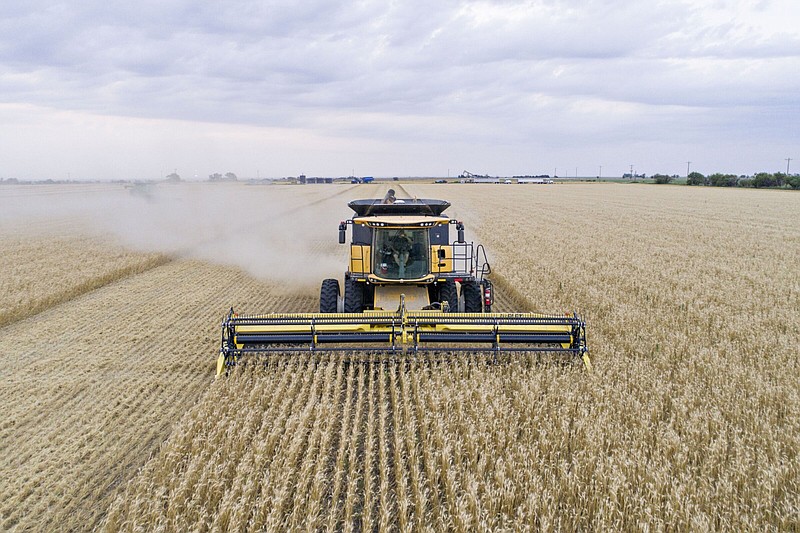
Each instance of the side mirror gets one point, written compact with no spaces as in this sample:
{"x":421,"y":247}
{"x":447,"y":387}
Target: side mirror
{"x":460,"y":228}
{"x":441,"y":253}
{"x":342,"y":228}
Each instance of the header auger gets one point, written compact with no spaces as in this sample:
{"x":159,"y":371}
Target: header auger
{"x":408,"y":291}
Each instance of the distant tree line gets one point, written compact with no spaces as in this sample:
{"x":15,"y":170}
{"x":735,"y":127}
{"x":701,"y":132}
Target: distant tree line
{"x":762,"y":180}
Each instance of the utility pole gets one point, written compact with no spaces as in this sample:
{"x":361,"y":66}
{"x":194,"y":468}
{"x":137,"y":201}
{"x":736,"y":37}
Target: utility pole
{"x":687,"y":168}
{"x":600,"y":173}
{"x":631,"y":171}
{"x":788,"y":160}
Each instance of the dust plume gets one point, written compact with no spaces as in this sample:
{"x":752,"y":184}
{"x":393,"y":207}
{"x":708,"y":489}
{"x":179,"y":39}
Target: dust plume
{"x":283,"y":234}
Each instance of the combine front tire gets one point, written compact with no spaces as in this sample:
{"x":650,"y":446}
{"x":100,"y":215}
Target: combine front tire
{"x":329,"y":296}
{"x":353,"y":296}
{"x":473,"y":300}
{"x":449,"y":293}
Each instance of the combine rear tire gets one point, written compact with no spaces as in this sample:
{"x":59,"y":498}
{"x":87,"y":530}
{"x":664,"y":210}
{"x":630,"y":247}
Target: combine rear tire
{"x":329,"y":296}
{"x":473,"y":300}
{"x":449,"y":293}
{"x":353,"y":296}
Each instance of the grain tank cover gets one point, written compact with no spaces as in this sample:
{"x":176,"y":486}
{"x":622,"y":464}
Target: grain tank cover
{"x":401,"y":206}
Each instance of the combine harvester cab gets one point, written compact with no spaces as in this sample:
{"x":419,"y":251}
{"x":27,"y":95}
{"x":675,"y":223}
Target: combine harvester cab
{"x":408,"y":291}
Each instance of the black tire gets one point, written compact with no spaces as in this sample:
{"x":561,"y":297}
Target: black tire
{"x":353,"y":296}
{"x":449,"y":293}
{"x":473,"y":300}
{"x":329,"y":296}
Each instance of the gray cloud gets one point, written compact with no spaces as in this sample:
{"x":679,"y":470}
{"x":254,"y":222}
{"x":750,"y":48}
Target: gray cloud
{"x":563,"y":74}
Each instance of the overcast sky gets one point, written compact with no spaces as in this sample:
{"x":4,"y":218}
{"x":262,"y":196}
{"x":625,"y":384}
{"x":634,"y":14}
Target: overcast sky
{"x":103,"y":89}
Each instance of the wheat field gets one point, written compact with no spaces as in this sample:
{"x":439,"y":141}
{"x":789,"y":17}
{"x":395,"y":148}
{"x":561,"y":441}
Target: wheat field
{"x":690,"y":419}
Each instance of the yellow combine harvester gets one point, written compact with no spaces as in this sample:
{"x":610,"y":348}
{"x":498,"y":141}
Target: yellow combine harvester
{"x":408,"y":291}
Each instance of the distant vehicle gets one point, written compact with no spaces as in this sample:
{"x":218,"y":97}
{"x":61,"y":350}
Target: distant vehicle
{"x":440,"y":181}
{"x":507,"y":182}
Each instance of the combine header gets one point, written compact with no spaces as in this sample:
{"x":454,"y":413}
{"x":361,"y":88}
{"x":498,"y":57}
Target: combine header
{"x":408,"y":291}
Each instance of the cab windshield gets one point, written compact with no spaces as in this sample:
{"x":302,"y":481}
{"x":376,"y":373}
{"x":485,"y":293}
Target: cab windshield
{"x":401,"y":253}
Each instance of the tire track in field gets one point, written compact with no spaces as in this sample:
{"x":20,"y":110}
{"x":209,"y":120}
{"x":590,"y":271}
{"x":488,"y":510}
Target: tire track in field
{"x":403,"y":190}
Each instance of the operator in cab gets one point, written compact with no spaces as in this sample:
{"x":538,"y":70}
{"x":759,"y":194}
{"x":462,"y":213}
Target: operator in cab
{"x":401,"y":245}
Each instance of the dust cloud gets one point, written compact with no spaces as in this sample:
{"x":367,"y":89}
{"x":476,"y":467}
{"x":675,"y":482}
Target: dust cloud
{"x":278,"y":233}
